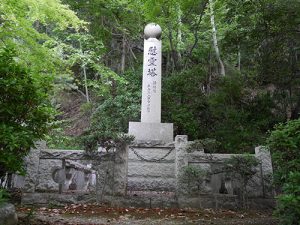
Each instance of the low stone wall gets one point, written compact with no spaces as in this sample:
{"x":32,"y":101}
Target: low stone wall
{"x":70,"y":176}
{"x":142,"y":175}
{"x":216,"y":184}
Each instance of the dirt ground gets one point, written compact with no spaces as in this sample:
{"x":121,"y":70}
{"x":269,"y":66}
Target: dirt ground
{"x":100,"y":214}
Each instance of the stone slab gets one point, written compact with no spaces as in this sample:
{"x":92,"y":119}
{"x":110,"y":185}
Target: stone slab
{"x":151,"y":131}
{"x":147,"y":169}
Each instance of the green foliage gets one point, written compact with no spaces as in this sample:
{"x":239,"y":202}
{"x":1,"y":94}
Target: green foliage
{"x":109,"y":120}
{"x":240,"y":116}
{"x":193,"y":177}
{"x":182,"y":102}
{"x":4,"y":196}
{"x":288,"y":208}
{"x":242,"y":168}
{"x":284,"y":142}
{"x":32,"y":40}
{"x":56,"y":138}
{"x":207,"y":145}
{"x":24,"y":111}
{"x":234,"y":115}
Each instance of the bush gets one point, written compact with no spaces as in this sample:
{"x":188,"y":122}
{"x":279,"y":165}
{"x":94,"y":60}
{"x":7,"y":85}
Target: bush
{"x":242,"y":168}
{"x":289,"y":203}
{"x":3,"y":196}
{"x":284,"y":143}
{"x":24,"y":111}
{"x":192,"y":178}
{"x":110,"y":120}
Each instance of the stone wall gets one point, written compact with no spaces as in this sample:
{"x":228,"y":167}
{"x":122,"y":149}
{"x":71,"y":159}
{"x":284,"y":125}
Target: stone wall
{"x":215,"y":181}
{"x":52,"y":174}
{"x":146,"y":174}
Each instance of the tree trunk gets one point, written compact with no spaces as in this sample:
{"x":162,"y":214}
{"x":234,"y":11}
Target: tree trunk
{"x":85,"y":84}
{"x":239,"y":58}
{"x":173,"y":51}
{"x":214,"y":36}
{"x":85,"y":77}
{"x":179,"y":34}
{"x":123,"y":56}
{"x":208,"y":89}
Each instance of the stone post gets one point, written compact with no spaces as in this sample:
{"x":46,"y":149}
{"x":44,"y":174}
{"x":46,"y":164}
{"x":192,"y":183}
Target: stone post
{"x":181,"y":161}
{"x":150,"y":128}
{"x":121,"y":170}
{"x":32,"y":161}
{"x":264,"y":157}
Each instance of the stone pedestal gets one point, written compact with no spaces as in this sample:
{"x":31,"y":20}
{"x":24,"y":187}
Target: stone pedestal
{"x":151,"y":131}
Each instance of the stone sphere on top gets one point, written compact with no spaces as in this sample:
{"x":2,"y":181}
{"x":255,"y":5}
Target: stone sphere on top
{"x":152,"y":30}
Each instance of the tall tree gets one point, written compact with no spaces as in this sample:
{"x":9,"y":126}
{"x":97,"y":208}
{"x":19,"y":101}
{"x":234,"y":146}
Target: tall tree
{"x":29,"y":62}
{"x":214,"y":37}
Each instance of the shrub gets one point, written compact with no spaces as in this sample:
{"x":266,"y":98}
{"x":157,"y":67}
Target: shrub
{"x":242,"y":168}
{"x":289,"y":203}
{"x":284,"y":143}
{"x":24,"y":111}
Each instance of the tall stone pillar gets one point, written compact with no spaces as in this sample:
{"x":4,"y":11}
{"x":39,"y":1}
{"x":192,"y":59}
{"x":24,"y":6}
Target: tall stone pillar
{"x":151,"y":92}
{"x":150,"y":128}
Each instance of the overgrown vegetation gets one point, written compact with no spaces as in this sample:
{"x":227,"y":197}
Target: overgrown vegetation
{"x":3,"y":196}
{"x":242,"y":169}
{"x":193,"y":179}
{"x":25,"y":112}
{"x":30,"y":63}
{"x":284,"y":142}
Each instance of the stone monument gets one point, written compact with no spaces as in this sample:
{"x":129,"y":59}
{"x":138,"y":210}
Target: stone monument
{"x":150,"y":127}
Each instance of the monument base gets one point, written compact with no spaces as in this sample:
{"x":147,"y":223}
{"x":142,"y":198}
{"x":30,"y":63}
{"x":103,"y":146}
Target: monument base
{"x":151,"y":131}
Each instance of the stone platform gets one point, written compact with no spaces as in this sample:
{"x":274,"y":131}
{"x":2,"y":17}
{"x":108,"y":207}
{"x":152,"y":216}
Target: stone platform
{"x":151,"y":131}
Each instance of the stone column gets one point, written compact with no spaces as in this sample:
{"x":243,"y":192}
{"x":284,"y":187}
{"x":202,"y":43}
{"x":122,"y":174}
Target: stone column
{"x":150,"y":128}
{"x":151,"y":92}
